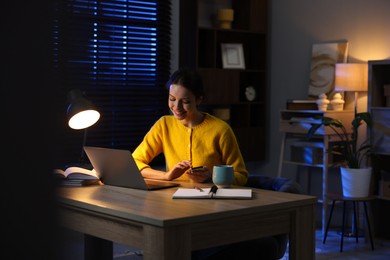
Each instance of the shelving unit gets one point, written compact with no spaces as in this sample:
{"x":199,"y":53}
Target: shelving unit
{"x":379,"y":107}
{"x":379,"y":75}
{"x":294,"y":125}
{"x":200,"y":47}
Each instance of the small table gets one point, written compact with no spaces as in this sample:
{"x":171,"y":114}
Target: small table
{"x":338,"y":197}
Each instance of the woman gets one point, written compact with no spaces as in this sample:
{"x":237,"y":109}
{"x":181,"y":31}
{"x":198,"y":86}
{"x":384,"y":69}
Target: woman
{"x":189,"y":138}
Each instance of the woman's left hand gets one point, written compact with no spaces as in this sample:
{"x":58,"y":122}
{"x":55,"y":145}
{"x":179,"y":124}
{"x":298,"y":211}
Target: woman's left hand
{"x":200,"y":175}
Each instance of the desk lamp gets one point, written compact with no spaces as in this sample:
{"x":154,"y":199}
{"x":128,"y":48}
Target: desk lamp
{"x":81,"y":113}
{"x":351,"y":77}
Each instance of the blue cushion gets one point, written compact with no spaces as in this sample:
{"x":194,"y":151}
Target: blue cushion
{"x":273,"y":183}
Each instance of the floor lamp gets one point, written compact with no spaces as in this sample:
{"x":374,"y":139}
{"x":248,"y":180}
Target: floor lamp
{"x":81,"y":114}
{"x":351,"y":77}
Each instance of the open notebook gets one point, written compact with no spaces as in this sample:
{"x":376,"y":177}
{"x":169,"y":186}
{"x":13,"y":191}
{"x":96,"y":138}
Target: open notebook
{"x":212,"y":193}
{"x":117,"y":167}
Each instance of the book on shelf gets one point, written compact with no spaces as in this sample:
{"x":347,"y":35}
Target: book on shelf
{"x":301,"y":104}
{"x":212,"y":193}
{"x":76,"y":176}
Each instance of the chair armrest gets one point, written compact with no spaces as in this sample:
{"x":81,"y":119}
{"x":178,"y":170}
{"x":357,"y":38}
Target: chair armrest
{"x":275,"y":184}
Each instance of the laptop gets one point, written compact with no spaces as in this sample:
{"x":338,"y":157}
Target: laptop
{"x":117,"y":167}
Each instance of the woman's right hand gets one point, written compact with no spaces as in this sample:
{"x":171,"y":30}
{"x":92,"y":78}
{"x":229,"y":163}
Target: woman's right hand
{"x":178,"y":170}
{"x":202,"y":174}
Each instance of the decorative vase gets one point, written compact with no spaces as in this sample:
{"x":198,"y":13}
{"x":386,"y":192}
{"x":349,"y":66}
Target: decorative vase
{"x":355,"y":182}
{"x":225,"y":18}
{"x":337,"y":102}
{"x":322,"y":102}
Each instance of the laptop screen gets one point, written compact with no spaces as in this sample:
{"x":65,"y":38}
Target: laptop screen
{"x":117,"y":167}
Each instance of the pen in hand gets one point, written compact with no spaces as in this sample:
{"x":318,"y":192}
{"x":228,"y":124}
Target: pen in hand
{"x":198,"y":167}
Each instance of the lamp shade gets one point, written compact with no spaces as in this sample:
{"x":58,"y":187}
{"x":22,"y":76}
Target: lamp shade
{"x":351,"y":77}
{"x":81,"y":112}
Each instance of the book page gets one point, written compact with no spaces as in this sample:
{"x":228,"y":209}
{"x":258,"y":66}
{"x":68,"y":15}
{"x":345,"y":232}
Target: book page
{"x":233,"y":193}
{"x":59,"y":173}
{"x":80,"y":173}
{"x":75,"y":172}
{"x":188,"y":193}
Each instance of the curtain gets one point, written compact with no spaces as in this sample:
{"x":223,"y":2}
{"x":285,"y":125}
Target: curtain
{"x":118,"y":53}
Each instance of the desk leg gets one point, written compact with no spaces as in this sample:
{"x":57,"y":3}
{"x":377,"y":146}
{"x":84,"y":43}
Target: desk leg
{"x":302,"y":235}
{"x":281,"y":155}
{"x":167,"y":243}
{"x":97,"y":248}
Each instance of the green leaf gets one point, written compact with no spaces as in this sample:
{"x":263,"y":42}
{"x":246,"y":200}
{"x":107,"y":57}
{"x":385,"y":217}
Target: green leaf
{"x":348,"y":146}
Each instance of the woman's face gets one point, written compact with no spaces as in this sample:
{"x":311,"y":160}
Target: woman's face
{"x":182,"y":102}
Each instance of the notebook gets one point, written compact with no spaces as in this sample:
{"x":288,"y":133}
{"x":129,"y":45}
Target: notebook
{"x":117,"y":167}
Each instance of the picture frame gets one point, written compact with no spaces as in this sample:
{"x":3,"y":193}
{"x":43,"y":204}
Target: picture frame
{"x":322,"y":68}
{"x":232,"y":56}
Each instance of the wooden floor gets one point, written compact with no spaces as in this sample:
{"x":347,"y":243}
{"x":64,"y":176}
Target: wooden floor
{"x":329,"y":250}
{"x":351,"y":249}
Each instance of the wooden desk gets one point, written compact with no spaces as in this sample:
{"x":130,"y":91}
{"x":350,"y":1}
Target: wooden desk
{"x":170,"y":229}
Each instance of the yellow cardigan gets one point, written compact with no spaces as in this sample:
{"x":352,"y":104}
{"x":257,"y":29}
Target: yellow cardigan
{"x":210,"y":143}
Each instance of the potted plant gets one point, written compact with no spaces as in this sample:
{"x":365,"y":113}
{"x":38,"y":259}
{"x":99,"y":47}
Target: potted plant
{"x":355,"y":154}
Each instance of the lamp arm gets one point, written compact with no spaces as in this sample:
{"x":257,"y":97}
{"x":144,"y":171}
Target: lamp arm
{"x":82,"y":156}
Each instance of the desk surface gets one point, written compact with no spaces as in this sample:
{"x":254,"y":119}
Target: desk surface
{"x":158,"y":208}
{"x":134,"y":217}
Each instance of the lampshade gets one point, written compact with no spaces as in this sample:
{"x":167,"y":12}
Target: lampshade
{"x":351,"y":77}
{"x":81,"y":112}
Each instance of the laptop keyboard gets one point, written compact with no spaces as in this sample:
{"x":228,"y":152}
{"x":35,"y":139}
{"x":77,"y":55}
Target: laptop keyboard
{"x":156,"y":184}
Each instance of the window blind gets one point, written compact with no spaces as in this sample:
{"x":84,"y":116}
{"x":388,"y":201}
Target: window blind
{"x":118,"y":53}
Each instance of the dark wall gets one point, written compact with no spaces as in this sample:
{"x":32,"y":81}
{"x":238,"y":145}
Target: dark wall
{"x":31,"y":115}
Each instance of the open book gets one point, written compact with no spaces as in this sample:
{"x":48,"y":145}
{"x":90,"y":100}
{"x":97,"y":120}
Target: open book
{"x":76,"y":176}
{"x":207,"y":193}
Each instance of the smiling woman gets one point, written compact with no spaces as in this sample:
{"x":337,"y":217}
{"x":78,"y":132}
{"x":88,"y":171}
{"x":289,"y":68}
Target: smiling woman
{"x":189,"y":137}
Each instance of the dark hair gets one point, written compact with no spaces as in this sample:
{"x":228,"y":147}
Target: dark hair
{"x":188,"y":78}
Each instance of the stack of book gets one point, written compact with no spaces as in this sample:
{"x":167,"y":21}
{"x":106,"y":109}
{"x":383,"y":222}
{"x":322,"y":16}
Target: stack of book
{"x":76,"y":176}
{"x":301,"y":104}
